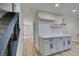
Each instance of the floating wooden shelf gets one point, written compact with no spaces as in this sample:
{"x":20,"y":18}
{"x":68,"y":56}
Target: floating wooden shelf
{"x":56,"y":26}
{"x":48,"y":20}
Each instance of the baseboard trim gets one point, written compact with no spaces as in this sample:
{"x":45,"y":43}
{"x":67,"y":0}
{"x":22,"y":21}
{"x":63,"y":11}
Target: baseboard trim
{"x":59,"y":52}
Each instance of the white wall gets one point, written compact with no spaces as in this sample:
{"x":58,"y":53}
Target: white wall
{"x":77,"y":22}
{"x":28,"y":20}
{"x":6,"y":6}
{"x":28,"y":30}
{"x":20,"y":43}
{"x":71,"y":27}
{"x":28,"y":26}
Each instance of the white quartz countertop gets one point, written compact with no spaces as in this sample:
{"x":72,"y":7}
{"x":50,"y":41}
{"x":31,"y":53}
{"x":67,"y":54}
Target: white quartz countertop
{"x":53,"y":35}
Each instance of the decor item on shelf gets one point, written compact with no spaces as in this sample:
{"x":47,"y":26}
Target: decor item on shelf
{"x":62,"y":22}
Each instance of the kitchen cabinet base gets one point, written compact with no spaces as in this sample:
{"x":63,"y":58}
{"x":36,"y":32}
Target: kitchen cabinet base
{"x":59,"y":52}
{"x":40,"y":54}
{"x":53,"y":45}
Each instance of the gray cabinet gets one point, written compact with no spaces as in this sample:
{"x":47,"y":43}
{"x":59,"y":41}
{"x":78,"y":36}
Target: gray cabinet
{"x":54,"y":45}
{"x":50,"y":46}
{"x":59,"y":44}
{"x":67,"y":43}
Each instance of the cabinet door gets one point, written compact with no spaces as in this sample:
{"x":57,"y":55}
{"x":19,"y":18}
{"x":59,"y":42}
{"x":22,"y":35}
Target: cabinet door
{"x":41,"y":46}
{"x":67,"y":42}
{"x":50,"y":46}
{"x":60,"y":44}
{"x":53,"y":45}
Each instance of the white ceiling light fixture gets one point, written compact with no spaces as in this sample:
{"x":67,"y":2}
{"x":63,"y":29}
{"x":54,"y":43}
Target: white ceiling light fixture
{"x":56,"y":5}
{"x":73,"y":10}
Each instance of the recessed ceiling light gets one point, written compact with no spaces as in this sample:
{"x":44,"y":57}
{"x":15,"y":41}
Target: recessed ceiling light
{"x":56,"y":5}
{"x":73,"y":10}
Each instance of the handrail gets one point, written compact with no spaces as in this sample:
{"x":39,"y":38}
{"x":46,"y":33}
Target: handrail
{"x":6,"y":36}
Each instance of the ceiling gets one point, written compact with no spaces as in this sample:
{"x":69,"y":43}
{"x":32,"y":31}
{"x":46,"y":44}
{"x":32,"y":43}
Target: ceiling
{"x":64,"y":9}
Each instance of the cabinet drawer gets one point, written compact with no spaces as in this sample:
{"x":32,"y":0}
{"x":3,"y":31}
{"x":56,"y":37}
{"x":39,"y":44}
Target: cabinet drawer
{"x":49,"y":40}
{"x":59,"y":44}
{"x":66,"y":42}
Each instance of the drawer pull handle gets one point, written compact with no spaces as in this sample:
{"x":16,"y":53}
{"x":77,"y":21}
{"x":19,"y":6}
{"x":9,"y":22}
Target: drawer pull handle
{"x":68,"y":42}
{"x":64,"y":43}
